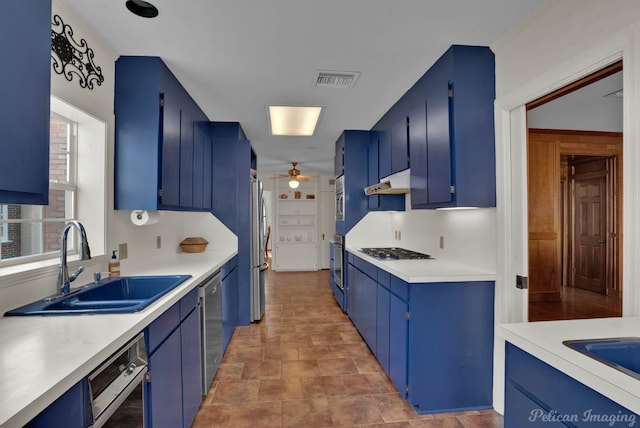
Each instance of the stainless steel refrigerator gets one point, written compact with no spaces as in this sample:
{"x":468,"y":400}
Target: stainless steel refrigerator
{"x":258,"y":263}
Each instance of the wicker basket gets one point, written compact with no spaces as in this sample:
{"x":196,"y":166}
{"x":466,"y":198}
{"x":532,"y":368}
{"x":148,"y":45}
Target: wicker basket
{"x":193,"y":245}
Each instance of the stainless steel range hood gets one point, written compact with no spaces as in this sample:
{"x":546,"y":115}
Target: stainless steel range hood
{"x":393,"y":184}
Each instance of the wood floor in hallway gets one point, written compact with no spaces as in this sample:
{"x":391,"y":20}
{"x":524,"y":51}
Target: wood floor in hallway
{"x":305,"y":365}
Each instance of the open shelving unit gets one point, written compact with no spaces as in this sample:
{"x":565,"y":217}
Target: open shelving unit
{"x":296,"y":235}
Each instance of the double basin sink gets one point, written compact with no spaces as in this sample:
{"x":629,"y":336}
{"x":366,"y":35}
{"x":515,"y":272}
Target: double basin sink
{"x":621,"y":353}
{"x":114,"y":295}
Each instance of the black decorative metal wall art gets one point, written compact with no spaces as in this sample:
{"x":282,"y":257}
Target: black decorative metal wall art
{"x":72,"y":58}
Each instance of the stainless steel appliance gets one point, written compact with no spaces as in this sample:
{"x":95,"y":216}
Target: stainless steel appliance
{"x":394,"y":253}
{"x":210,"y":328}
{"x":338,"y":261}
{"x":258,"y":263}
{"x":340,"y":198}
{"x":116,"y":387}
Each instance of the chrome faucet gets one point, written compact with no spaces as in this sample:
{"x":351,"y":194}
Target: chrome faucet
{"x":64,"y":279}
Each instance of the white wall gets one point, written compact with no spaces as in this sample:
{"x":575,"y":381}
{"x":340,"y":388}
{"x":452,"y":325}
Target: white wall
{"x":560,"y":43}
{"x":469,"y":235}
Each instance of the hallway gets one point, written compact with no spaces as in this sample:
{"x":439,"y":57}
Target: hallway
{"x":305,"y":365}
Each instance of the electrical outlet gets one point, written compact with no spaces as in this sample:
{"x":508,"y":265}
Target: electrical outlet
{"x":442,"y":242}
{"x":123,"y":251}
{"x":158,"y":242}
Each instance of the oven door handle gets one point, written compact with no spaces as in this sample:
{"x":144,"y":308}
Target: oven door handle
{"x":109,"y":408}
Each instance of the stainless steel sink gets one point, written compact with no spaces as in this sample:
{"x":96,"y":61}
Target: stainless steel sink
{"x":115,"y":295}
{"x":621,"y":353}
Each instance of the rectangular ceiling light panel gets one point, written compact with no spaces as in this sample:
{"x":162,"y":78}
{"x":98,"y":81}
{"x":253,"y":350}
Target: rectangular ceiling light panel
{"x":294,"y":121}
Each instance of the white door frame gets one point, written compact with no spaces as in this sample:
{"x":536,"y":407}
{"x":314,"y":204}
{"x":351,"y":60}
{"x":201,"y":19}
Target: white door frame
{"x":511,"y":304}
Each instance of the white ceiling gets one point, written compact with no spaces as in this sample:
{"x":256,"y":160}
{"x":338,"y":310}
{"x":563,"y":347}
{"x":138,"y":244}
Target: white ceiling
{"x":235,"y":57}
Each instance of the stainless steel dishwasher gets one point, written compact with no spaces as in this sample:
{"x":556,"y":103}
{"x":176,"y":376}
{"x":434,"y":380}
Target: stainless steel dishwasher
{"x":211,"y":328}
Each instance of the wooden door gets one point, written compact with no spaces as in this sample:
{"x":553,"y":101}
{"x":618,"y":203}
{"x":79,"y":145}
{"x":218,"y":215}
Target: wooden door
{"x":590,"y":225}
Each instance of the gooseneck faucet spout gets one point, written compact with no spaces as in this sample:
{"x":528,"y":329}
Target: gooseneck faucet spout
{"x":64,"y":279}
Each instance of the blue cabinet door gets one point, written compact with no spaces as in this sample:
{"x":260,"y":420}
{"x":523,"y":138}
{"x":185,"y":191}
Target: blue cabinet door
{"x":229,"y":305}
{"x":349,"y":277}
{"x":338,"y":168}
{"x":366,"y":306}
{"x":451,"y":342}
{"x":164,"y":392}
{"x":383,"y":330}
{"x":169,"y":140}
{"x":25,"y":28}
{"x":191,"y":367}
{"x":384,"y":154}
{"x":399,"y":146}
{"x":202,"y":166}
{"x":398,"y":343}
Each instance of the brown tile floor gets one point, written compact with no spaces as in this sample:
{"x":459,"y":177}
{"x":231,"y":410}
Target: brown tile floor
{"x":304,"y":365}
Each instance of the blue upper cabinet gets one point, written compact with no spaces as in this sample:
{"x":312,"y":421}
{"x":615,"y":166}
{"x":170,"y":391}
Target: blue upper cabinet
{"x":158,"y":140}
{"x":339,"y":157}
{"x":451,"y":131}
{"x":399,"y":146}
{"x":354,"y":146}
{"x":25,"y":28}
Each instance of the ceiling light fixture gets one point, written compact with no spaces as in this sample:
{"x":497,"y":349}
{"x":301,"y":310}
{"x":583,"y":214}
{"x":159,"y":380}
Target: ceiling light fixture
{"x":294,"y":121}
{"x":142,"y":8}
{"x":294,"y":183}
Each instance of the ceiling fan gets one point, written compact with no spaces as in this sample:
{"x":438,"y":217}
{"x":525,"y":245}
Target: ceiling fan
{"x":294,"y":176}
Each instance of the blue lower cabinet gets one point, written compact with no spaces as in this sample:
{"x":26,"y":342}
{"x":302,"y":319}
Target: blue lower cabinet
{"x":434,"y":340}
{"x":398,"y":343}
{"x":451,"y":346}
{"x":173,"y":392}
{"x":229,"y":301}
{"x":70,"y":410}
{"x":537,"y":394}
{"x":164,"y":392}
{"x":383,"y":329}
{"x":191,"y":366}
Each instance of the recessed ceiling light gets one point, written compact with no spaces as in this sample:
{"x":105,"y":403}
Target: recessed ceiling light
{"x":293,"y":121}
{"x":142,"y":8}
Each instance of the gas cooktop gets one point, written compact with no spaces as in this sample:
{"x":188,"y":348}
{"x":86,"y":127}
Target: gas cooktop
{"x":394,"y":253}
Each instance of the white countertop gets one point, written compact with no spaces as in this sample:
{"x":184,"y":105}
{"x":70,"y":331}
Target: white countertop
{"x":41,"y":357}
{"x":431,"y":270}
{"x":544,"y":340}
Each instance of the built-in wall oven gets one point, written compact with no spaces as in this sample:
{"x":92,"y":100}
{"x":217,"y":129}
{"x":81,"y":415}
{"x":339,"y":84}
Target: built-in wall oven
{"x":338,"y":261}
{"x":340,"y":198}
{"x":116,"y":388}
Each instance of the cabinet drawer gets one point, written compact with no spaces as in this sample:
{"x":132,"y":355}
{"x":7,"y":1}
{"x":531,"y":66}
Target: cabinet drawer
{"x":162,"y":327}
{"x":367,"y":268}
{"x":384,"y":278}
{"x":400,"y":288}
{"x":188,"y":303}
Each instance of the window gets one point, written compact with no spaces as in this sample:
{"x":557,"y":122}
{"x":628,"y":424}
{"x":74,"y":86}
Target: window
{"x":77,"y":190}
{"x":33,"y":230}
{"x":4,"y":227}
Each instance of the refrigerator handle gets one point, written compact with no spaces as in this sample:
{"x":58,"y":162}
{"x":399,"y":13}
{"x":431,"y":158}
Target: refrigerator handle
{"x":264,"y":266}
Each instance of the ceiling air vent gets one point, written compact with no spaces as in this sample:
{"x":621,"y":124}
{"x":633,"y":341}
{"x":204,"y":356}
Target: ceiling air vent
{"x":335,"y":79}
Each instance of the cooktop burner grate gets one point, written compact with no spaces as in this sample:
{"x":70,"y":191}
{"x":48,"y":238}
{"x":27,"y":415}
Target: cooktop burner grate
{"x":394,"y":253}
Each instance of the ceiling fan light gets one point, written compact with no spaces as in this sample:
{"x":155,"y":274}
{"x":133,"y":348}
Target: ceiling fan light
{"x":294,"y":183}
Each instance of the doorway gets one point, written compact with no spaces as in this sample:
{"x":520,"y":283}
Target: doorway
{"x":575,"y":202}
